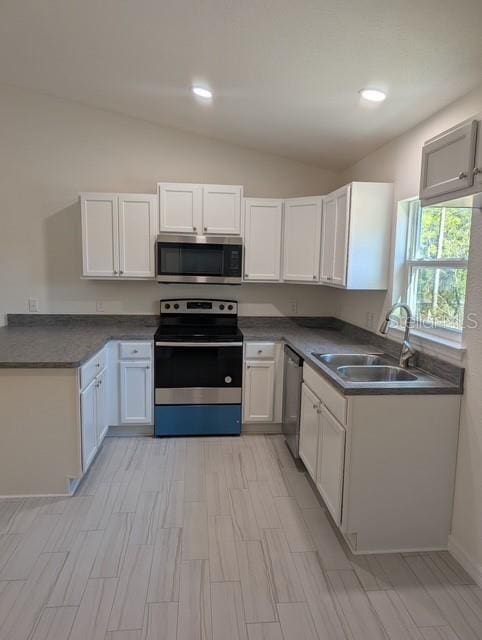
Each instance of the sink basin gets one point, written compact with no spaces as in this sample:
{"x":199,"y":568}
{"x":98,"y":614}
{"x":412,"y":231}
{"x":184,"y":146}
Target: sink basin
{"x":340,"y":359}
{"x":375,"y":373}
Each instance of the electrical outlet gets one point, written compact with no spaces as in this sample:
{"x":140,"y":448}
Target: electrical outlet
{"x":294,"y":307}
{"x":33,"y":305}
{"x":99,"y":306}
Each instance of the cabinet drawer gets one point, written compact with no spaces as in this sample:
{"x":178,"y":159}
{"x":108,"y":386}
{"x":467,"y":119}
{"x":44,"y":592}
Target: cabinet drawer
{"x":330,"y":397}
{"x":260,"y":350}
{"x":93,"y":367}
{"x":135,"y":350}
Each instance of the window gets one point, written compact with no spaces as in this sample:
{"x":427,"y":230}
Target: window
{"x":436,"y":265}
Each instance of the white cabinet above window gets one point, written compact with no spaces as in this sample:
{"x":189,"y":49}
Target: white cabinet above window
{"x":302,"y":235}
{"x":118,"y":235}
{"x":448,"y":163}
{"x":201,"y":209}
{"x":262,"y":239}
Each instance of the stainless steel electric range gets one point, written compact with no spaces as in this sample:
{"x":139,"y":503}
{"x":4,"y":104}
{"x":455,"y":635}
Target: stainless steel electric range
{"x":198,"y":368}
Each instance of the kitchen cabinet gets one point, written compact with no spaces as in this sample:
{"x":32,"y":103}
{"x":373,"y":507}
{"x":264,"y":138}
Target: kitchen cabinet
{"x":89,"y":424}
{"x":201,"y":209}
{"x":101,"y":406}
{"x":301,"y":239}
{"x":331,"y":462}
{"x":355,"y":236}
{"x":262,"y":233}
{"x":448,"y":162}
{"x":118,"y":235}
{"x":136,"y":403}
{"x":259,"y":381}
{"x":309,"y":429}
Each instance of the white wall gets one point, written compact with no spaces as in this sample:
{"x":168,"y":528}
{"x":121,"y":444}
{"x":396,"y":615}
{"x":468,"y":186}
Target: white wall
{"x":399,"y":162}
{"x":52,"y":149}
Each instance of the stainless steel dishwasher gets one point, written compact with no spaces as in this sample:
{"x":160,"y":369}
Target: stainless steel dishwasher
{"x":293,"y":375}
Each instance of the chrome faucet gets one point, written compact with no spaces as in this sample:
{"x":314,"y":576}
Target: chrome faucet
{"x":407,"y":351}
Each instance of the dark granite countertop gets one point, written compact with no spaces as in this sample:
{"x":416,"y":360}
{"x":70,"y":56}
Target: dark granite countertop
{"x":69,"y":341}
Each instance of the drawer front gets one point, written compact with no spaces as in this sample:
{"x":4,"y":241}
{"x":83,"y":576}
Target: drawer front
{"x":334,"y":401}
{"x":135,"y":350}
{"x":260,"y":350}
{"x":92,"y":368}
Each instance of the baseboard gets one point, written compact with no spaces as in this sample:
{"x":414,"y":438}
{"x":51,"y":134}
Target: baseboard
{"x":261,"y":427}
{"x":473,"y":568}
{"x":129,"y":431}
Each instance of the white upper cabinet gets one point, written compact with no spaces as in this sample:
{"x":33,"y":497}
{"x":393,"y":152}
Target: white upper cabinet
{"x":222,"y":209}
{"x":262,"y":233}
{"x":448,"y":162}
{"x":355,"y":237}
{"x":202,"y":209}
{"x":302,"y":235}
{"x":180,"y":207}
{"x":100,"y":234}
{"x":334,"y":236}
{"x":137,"y":234}
{"x":118,"y":235}
{"x":478,"y":162}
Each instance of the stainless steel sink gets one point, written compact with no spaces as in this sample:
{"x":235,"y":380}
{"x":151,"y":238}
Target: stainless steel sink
{"x":375,"y":373}
{"x":334,"y":360}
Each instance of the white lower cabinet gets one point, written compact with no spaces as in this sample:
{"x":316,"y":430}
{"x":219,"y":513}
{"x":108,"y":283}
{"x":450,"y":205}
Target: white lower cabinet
{"x":259,"y":390}
{"x":135,"y":392}
{"x":331,"y":462}
{"x":101,"y":399}
{"x":94,"y":423}
{"x":309,"y":429}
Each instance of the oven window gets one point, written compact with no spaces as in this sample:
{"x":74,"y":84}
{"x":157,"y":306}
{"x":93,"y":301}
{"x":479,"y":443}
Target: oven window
{"x":191,"y":260}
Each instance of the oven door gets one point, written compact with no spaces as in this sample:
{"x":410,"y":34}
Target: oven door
{"x":201,"y":259}
{"x":198,"y":373}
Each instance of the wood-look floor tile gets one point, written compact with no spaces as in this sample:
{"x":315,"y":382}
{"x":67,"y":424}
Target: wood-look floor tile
{"x":173,"y":513}
{"x":232,"y":467}
{"x":70,"y":522}
{"x":217,"y":494}
{"x":102,"y":506}
{"x":294,"y":526}
{"x":370,"y":572}
{"x":420,"y":605}
{"x":264,"y":631}
{"x":9,"y":592}
{"x":55,"y":623}
{"x":223,"y":562}
{"x":143,"y":525}
{"x":281,"y":567}
{"x":228,"y":611}
{"x":394,"y":616}
{"x":194,"y":617}
{"x":112,"y":547}
{"x":130,"y":497}
{"x":195,"y":540}
{"x":95,"y":607}
{"x":8,"y":510}
{"x":330,"y":549}
{"x":244,"y":519}
{"x":317,"y":592}
{"x":130,"y":634}
{"x":281,"y":452}
{"x":296,"y":622}
{"x":301,"y":489}
{"x":438,"y":633}
{"x":166,"y":566}
{"x":8,"y":543}
{"x":130,"y":598}
{"x":161,"y":621}
{"x":23,"y":615}
{"x":26,"y":514}
{"x":353,"y":605}
{"x":72,"y":580}
{"x":472,"y":596}
{"x":264,"y":505}
{"x":195,"y":473}
{"x":450,"y":568}
{"x":255,"y":583}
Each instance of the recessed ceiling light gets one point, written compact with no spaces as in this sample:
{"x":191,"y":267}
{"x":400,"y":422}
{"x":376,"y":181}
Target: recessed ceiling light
{"x":374,"y":95}
{"x":201,"y":92}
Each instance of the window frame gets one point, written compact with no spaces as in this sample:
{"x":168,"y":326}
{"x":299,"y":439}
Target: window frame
{"x":413,"y":228}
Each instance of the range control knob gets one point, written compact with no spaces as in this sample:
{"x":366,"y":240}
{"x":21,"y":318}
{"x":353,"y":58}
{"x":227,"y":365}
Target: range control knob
{"x":167,"y":306}
{"x":230,"y":307}
{"x":176,"y":306}
{"x":221,"y":307}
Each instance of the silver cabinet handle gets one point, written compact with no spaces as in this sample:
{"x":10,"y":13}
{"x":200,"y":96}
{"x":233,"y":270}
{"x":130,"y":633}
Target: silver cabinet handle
{"x":260,"y":350}
{"x":248,"y":366}
{"x":121,"y":272}
{"x":314,"y":277}
{"x":135,"y":351}
{"x":315,"y":406}
{"x":98,"y":365}
{"x":319,"y":411}
{"x":476,"y":171}
{"x":246,"y":275}
{"x":115,"y":273}
{"x":462,"y":175}
{"x":194,"y":228}
{"x":148,"y":367}
{"x":205,"y":228}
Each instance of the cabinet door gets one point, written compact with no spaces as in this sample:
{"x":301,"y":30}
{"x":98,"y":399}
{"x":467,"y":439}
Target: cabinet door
{"x":89,"y":425}
{"x":448,"y":162}
{"x":262,"y":241}
{"x":259,"y":391}
{"x":328,"y":233}
{"x":334,"y":237}
{"x":180,"y":207}
{"x":478,"y":159}
{"x":309,"y":429}
{"x":302,"y":235}
{"x":331,"y":463}
{"x":136,"y":392}
{"x":137,"y":235}
{"x":101,"y":401}
{"x":222,"y":209}
{"x":100,"y":234}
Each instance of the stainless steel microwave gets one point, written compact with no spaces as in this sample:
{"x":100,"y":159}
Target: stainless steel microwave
{"x":201,"y":259}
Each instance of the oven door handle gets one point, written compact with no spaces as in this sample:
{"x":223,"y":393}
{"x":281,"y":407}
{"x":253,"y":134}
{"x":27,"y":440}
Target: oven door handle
{"x":199,"y":344}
